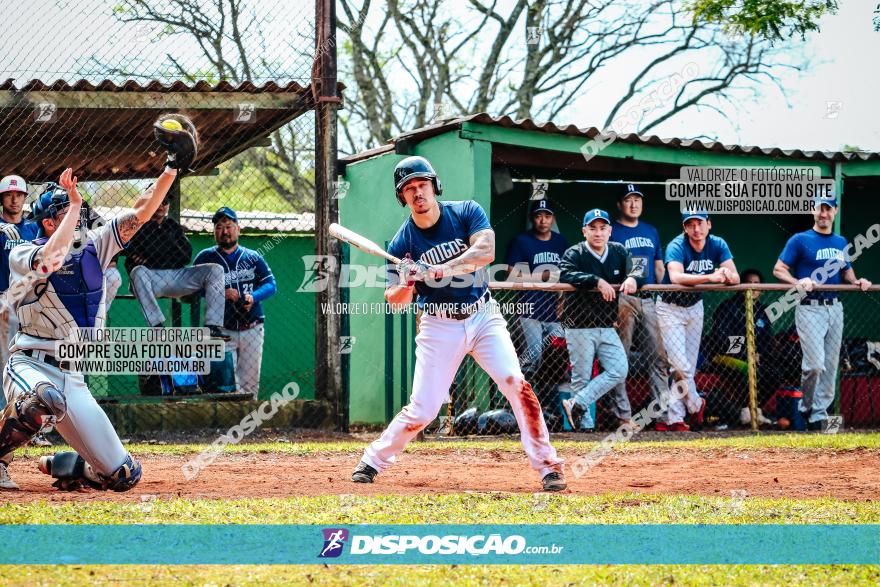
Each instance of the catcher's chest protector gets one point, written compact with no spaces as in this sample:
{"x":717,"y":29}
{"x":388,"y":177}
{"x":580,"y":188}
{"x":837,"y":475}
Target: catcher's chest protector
{"x":78,"y":286}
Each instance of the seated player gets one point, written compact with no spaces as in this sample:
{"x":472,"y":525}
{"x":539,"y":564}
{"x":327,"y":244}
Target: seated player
{"x":156,"y":260}
{"x":57,"y":285}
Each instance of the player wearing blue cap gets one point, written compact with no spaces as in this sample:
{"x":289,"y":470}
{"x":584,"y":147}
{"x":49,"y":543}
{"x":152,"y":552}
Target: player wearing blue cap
{"x":248,"y":281}
{"x":694,"y":257}
{"x":14,"y":230}
{"x":589,"y":316}
{"x":535,"y":255}
{"x":643,"y":242}
{"x":819,"y":317}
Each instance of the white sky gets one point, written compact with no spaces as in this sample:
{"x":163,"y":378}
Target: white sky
{"x":52,"y":38}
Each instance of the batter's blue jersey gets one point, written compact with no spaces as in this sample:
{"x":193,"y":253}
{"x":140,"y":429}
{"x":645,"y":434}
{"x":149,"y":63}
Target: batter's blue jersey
{"x":714,"y":253}
{"x":246,"y":271}
{"x":643,"y":243}
{"x":28,"y":231}
{"x":446,"y":240}
{"x":807,"y":251}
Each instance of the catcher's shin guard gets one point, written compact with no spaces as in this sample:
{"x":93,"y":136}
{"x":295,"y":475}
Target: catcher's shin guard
{"x":73,"y":472}
{"x":27,"y":415}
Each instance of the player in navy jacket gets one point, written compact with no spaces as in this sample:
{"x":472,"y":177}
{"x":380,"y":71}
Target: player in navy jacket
{"x":248,"y":281}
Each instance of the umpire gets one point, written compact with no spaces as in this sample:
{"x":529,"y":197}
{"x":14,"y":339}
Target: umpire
{"x":248,"y":281}
{"x":819,"y":317}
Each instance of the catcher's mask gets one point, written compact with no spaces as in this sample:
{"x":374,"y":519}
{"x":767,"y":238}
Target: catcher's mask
{"x":51,"y":202}
{"x":411,"y":168}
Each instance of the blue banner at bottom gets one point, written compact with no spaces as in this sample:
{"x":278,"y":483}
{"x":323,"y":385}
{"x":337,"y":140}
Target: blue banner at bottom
{"x":440,"y":544}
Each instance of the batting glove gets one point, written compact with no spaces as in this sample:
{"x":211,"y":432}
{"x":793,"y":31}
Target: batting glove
{"x":412,"y":271}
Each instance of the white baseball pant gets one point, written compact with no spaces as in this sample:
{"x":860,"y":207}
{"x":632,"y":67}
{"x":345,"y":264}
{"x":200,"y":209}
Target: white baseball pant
{"x":441,"y":346}
{"x":85,"y":426}
{"x":820,"y":330}
{"x":150,"y":284}
{"x":681,"y":329}
{"x":247,"y":354}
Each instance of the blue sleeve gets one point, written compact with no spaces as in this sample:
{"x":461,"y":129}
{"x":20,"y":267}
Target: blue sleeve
{"x":658,"y":246}
{"x":845,"y":256}
{"x":265,"y":279}
{"x":475,"y":218}
{"x":724,"y":253}
{"x":791,"y":252}
{"x":675,"y":252}
{"x":514,"y":252}
{"x":201,"y":258}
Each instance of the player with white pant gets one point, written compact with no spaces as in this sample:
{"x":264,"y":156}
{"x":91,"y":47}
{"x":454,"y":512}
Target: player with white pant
{"x":57,"y":286}
{"x":459,"y":318}
{"x":692,"y":258}
{"x":819,"y":316}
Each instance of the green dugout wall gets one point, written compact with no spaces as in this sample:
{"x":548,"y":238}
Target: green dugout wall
{"x":481,"y":158}
{"x":289,"y":347}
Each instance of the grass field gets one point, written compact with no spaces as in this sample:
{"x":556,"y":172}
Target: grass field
{"x":341,"y":507}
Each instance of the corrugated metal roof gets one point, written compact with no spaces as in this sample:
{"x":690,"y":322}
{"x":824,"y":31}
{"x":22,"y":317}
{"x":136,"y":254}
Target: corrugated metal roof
{"x":104,"y":131}
{"x":591,"y":132}
{"x":153,"y":86}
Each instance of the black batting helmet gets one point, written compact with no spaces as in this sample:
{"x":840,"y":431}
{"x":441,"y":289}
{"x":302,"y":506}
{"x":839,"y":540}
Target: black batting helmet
{"x":413,"y":167}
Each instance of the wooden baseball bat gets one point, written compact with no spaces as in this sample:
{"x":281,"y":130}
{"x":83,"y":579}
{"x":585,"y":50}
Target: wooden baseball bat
{"x":361,"y":242}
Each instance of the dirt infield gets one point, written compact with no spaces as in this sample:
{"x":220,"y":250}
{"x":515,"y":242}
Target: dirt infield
{"x":850,"y":475}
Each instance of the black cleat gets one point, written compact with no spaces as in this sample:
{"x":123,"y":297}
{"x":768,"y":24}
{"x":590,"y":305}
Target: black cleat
{"x":364,"y":473}
{"x":217,"y":332}
{"x":554,"y":482}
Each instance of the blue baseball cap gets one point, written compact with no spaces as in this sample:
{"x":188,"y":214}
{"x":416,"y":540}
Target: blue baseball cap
{"x":631,"y":189}
{"x":225,"y":212}
{"x":685,"y":216}
{"x":542,"y":205}
{"x":596,"y":214}
{"x":832,"y":202}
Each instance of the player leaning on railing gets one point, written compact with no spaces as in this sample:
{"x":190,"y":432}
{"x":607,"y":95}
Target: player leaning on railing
{"x":57,"y":285}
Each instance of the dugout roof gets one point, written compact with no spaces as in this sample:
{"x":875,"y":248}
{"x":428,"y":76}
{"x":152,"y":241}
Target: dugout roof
{"x":105,"y":131}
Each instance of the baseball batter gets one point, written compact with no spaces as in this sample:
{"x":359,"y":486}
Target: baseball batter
{"x":459,"y":318}
{"x":57,"y":285}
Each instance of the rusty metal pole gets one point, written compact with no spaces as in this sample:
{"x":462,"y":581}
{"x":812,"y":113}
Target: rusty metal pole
{"x":752,"y":357}
{"x":328,"y":327}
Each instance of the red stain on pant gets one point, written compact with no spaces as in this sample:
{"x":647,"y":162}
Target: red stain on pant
{"x":414,"y":427}
{"x":531,"y":410}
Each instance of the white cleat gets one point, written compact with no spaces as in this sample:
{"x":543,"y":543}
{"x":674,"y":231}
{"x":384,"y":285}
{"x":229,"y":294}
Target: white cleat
{"x":6,"y":482}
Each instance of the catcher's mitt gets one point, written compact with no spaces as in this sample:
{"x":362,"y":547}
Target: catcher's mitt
{"x":178,"y":136}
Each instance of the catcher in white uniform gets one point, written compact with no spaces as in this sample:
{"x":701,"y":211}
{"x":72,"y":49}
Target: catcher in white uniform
{"x":56,"y":285}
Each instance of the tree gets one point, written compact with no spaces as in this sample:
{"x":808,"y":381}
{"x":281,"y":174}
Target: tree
{"x":535,"y":59}
{"x":230,"y":39}
{"x":773,"y":20}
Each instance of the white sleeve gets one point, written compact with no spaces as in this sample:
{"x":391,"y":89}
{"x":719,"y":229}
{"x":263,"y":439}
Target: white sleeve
{"x":107,"y":240}
{"x":21,"y":259}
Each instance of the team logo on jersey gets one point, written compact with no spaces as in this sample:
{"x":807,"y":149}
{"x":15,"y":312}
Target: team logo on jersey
{"x":829,"y":253}
{"x":441,"y":253}
{"x":638,"y":242}
{"x":546,"y":257}
{"x":334,"y":541}
{"x":700,"y":265}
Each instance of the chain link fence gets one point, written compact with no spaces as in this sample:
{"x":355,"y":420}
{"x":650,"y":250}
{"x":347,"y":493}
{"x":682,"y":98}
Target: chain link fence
{"x":749,"y":359}
{"x":242,"y":71}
